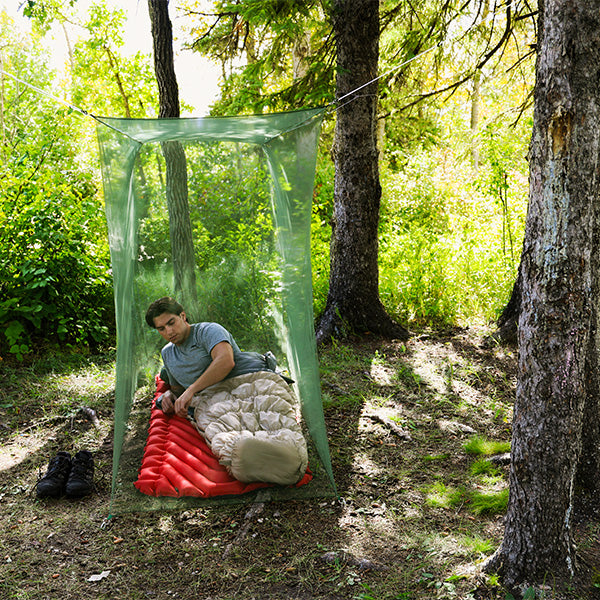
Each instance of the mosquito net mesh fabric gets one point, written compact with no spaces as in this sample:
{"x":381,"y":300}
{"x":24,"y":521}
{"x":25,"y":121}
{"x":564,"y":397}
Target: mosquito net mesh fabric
{"x":236,"y":191}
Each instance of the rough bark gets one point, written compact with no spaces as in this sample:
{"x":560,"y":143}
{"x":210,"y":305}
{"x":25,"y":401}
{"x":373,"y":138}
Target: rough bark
{"x":557,"y":320}
{"x":300,"y":54}
{"x":180,"y":228}
{"x":508,"y":320}
{"x":353,"y":302}
{"x":588,"y":470}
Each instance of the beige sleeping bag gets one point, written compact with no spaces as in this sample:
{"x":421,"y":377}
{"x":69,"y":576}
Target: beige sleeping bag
{"x":251,"y":424}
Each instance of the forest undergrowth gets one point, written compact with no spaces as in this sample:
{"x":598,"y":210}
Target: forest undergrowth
{"x":418,"y":434}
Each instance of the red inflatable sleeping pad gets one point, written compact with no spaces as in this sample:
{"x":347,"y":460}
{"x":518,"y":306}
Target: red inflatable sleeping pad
{"x":177,"y":461}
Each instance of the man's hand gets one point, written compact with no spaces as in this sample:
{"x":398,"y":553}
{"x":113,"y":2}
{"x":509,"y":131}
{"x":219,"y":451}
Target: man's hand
{"x":182,"y":403}
{"x":167,"y":402}
{"x":221,"y":365}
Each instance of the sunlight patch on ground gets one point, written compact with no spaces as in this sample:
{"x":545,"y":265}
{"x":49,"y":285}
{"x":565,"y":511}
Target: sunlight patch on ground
{"x":165,"y":523}
{"x":381,"y":374}
{"x":98,"y":384}
{"x":440,"y":375}
{"x":469,"y":394}
{"x":369,"y":526}
{"x":363,"y":464}
{"x":412,"y":512}
{"x":427,"y":370}
{"x":21,"y":448}
{"x":444,"y":545}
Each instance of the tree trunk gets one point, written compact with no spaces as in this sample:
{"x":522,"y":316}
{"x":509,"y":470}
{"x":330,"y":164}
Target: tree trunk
{"x":557,"y":322}
{"x":588,"y":470}
{"x":353,"y":302}
{"x":508,"y":320}
{"x":300,"y":53}
{"x":180,"y":228}
{"x":475,"y":106}
{"x":476,"y":93}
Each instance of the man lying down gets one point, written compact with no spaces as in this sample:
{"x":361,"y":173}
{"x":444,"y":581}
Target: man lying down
{"x":245,"y":411}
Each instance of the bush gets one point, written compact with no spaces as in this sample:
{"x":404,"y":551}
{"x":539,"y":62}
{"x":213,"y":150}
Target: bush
{"x":54,"y":266}
{"x":443,"y":259}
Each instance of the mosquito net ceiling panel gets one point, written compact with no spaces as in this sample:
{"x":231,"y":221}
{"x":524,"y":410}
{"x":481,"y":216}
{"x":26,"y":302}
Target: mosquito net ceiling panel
{"x":215,"y":212}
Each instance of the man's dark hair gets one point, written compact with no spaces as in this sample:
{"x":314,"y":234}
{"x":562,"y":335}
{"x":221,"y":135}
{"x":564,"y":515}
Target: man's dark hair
{"x":160,"y":306}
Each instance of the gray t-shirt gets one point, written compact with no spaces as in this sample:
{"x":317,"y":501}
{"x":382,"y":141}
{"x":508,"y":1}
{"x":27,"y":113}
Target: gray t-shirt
{"x":186,"y":362}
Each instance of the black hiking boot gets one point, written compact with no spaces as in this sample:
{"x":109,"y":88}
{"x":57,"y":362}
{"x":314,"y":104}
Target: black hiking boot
{"x":53,"y":483}
{"x":81,"y":478}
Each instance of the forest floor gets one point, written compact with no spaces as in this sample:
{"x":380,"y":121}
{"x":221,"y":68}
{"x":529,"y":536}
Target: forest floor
{"x":417,"y":433}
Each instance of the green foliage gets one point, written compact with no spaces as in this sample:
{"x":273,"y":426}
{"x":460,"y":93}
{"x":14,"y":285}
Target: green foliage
{"x":322,"y":211}
{"x":236,"y":294}
{"x":414,"y":263}
{"x":256,"y":43}
{"x":106,"y":82}
{"x":53,"y":269}
{"x":103,"y":80}
{"x":44,"y":12}
{"x":229,"y":202}
{"x":54,"y":278}
{"x":450,"y":236}
{"x":478,"y":544}
{"x":442,"y":258}
{"x":528,"y":594}
{"x":231,"y":217}
{"x":441,"y":496}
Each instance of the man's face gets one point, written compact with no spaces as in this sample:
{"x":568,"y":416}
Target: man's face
{"x":173,"y":328}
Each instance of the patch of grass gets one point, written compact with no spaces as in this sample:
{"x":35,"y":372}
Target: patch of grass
{"x":483,"y":446}
{"x":342,"y":400}
{"x":339,"y":356}
{"x":483,"y":467}
{"x":435,"y":457}
{"x":40,"y":394}
{"x":406,"y":375}
{"x":439,"y":495}
{"x":477,"y":544}
{"x":489,"y":503}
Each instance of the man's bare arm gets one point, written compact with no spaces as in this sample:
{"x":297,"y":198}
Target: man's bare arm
{"x":221,"y":365}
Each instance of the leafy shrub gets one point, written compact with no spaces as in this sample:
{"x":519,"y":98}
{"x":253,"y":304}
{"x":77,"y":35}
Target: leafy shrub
{"x":54,"y":264}
{"x":442,"y":256}
{"x":322,"y":212}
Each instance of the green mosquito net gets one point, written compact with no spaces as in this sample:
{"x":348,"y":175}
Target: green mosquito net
{"x":215,"y":212}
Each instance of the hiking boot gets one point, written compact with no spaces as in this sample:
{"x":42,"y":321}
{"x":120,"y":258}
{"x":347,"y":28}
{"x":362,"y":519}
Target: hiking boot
{"x":53,"y":483}
{"x":81,"y":478}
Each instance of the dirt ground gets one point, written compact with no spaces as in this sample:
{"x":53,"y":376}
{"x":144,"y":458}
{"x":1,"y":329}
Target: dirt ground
{"x":418,"y":511}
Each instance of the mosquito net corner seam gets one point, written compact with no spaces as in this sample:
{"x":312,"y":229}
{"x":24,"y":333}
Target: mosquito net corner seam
{"x":247,"y":185}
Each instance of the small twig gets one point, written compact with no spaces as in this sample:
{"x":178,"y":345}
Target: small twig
{"x":85,"y":412}
{"x":376,"y":416}
{"x":345,"y":558}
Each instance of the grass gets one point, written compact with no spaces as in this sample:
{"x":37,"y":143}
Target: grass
{"x":420,"y":507}
{"x":483,"y":446}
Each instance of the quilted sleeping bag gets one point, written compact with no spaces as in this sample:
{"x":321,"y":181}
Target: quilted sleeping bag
{"x":250,"y":423}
